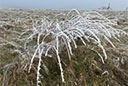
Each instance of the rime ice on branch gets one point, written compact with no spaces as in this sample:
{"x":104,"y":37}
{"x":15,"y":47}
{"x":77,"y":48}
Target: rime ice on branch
{"x":53,"y":35}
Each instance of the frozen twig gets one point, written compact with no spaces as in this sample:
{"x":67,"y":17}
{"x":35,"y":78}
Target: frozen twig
{"x":51,"y":35}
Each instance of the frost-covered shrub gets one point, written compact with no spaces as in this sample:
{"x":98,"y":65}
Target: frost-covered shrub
{"x":52,"y":35}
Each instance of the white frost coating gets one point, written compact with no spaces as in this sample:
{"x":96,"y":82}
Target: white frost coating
{"x":39,"y":67}
{"x":59,"y":61}
{"x":60,"y":65}
{"x":53,"y":35}
{"x":110,"y":42}
{"x":67,"y":48}
{"x":100,"y":57}
{"x":33,"y":58}
{"x":104,"y":52}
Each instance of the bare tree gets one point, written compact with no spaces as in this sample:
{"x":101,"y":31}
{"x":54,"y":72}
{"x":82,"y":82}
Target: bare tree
{"x":109,"y":7}
{"x":106,"y":7}
{"x":126,"y":8}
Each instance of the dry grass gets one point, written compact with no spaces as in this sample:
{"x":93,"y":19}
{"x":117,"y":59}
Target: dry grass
{"x":81,"y":66}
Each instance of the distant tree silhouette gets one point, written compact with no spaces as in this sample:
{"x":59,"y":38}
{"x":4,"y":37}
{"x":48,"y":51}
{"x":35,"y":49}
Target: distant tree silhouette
{"x":127,"y":8}
{"x":106,"y":8}
{"x":109,"y":7}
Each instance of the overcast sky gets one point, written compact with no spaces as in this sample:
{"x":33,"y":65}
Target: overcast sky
{"x":63,"y":4}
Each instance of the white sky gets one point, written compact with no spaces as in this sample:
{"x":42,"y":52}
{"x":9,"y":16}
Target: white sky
{"x":63,"y":4}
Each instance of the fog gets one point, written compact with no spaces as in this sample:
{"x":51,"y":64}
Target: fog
{"x":63,"y":4}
